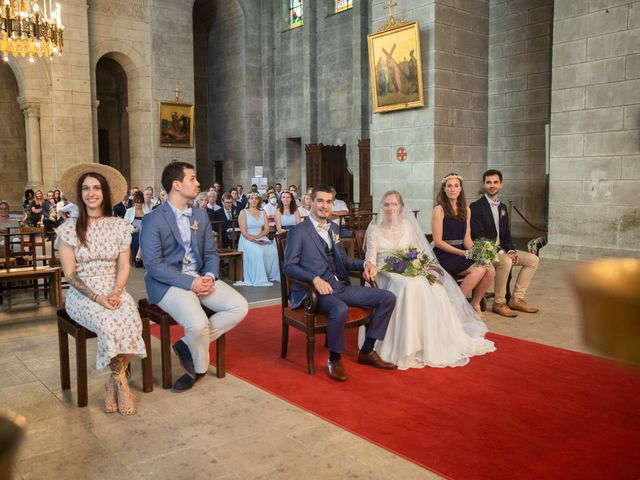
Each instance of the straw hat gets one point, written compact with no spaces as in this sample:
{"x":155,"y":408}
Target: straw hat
{"x":116,"y":181}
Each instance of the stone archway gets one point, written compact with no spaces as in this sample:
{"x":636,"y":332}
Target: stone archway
{"x":13,"y":154}
{"x":138,"y":110}
{"x":112,"y":116}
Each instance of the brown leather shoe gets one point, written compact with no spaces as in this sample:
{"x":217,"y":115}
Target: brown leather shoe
{"x":502,"y":309}
{"x":336,"y":371}
{"x":519,"y":304}
{"x":374,"y":360}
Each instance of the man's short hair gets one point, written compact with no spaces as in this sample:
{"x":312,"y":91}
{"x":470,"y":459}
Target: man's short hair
{"x":324,"y":189}
{"x":172,"y":172}
{"x":226,"y":196}
{"x":490,"y":173}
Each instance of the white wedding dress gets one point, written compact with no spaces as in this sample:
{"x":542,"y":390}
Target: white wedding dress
{"x":431,"y":325}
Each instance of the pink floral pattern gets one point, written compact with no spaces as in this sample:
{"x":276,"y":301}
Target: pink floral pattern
{"x":119,"y":331}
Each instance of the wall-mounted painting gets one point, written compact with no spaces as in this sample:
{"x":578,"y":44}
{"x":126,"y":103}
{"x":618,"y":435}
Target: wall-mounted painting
{"x":176,"y":125}
{"x":396,"y":68}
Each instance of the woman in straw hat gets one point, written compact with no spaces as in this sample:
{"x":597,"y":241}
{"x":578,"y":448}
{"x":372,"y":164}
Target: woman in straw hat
{"x":94,"y":251}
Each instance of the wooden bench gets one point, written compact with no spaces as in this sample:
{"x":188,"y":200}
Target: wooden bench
{"x":67,"y":326}
{"x":162,"y":318}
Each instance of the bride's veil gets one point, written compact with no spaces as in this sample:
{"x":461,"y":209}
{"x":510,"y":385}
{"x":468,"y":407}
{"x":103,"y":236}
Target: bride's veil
{"x":392,"y":225}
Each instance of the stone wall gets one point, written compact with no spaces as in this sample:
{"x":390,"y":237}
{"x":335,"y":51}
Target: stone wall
{"x":461,"y":76}
{"x":595,"y":130}
{"x":13,"y":154}
{"x":519,"y":98}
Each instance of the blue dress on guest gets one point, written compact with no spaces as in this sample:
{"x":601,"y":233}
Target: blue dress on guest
{"x":288,"y":221}
{"x":453,"y":232}
{"x":259,"y":261}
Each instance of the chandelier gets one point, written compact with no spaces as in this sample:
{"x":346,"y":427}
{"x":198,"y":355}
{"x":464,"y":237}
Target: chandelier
{"x":30,"y":28}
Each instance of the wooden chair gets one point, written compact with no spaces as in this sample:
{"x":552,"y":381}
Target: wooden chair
{"x":230,"y":255}
{"x":166,"y":321}
{"x":67,"y":326}
{"x":306,"y":318}
{"x":25,"y":265}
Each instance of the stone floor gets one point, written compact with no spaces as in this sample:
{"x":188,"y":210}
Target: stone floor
{"x":224,"y":429}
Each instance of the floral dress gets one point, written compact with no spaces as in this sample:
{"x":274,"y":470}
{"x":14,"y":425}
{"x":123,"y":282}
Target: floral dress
{"x":119,"y":331}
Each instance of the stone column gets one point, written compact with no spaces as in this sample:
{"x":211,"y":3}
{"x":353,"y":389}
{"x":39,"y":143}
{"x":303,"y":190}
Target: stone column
{"x":31,"y":112}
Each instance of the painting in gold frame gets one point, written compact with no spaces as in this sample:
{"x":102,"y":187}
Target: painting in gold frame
{"x":396,"y":68}
{"x":176,"y":125}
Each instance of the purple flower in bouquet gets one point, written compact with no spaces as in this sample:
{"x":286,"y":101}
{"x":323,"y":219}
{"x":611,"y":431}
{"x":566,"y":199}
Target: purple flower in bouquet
{"x":400,"y":266}
{"x":412,"y":254}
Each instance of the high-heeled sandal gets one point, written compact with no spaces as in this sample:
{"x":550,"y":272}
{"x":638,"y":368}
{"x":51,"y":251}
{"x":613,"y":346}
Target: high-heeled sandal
{"x":111,"y":397}
{"x":126,"y":400}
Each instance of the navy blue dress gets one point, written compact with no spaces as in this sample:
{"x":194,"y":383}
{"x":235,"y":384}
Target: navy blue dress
{"x":453,"y":232}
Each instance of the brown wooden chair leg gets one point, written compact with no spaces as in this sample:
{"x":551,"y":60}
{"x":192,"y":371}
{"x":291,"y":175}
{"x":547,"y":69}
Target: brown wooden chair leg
{"x":81,"y":367}
{"x":311,"y":345}
{"x":165,"y":352}
{"x":63,"y":346}
{"x":221,"y":368}
{"x":285,"y":340}
{"x":147,"y":368}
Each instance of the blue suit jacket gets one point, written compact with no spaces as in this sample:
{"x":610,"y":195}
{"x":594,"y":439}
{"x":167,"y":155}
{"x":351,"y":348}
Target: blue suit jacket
{"x":306,"y":258}
{"x":163,"y":250}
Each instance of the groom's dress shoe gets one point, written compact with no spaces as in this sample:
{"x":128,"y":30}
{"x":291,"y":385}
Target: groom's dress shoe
{"x":335,"y":370}
{"x":520,"y":305}
{"x":374,"y":360}
{"x":504,"y":310}
{"x":184,"y":355}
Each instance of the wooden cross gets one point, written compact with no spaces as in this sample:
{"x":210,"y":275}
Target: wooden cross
{"x":390,"y":6}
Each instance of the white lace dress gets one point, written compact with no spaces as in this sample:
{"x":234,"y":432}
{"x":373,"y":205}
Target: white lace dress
{"x":432,"y":324}
{"x":119,"y":331}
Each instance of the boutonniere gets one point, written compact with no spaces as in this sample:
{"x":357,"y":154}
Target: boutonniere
{"x":194,"y":226}
{"x":502,"y":213}
{"x":335,"y":237}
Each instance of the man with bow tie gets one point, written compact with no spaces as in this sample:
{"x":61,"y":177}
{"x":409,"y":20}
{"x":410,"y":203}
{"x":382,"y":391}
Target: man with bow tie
{"x":182,"y":272}
{"x":315,"y":255}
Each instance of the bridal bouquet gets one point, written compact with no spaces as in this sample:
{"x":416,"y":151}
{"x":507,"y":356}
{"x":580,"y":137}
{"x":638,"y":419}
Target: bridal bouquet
{"x":412,"y":262}
{"x":483,"y":252}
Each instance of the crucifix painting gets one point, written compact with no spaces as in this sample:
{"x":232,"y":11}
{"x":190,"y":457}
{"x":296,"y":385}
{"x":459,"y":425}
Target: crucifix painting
{"x":396,"y":68}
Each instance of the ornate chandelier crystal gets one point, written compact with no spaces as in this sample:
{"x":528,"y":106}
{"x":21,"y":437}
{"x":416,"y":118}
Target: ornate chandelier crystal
{"x":30,"y":28}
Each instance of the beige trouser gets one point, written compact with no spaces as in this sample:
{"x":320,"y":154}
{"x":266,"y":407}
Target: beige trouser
{"x":200,"y":331}
{"x":529,"y":264}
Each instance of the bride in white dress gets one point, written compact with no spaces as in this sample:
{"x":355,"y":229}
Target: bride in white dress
{"x":431,"y":325}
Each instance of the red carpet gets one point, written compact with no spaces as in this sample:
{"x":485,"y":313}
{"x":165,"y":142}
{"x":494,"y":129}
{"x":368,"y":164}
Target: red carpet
{"x":527,"y":411}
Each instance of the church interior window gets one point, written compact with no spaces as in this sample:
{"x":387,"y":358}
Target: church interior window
{"x":295,"y":13}
{"x":342,"y":5}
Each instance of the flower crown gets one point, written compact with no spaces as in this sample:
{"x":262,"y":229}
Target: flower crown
{"x":450,"y":176}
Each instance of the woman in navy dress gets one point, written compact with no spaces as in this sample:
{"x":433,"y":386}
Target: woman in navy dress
{"x":451,"y":229}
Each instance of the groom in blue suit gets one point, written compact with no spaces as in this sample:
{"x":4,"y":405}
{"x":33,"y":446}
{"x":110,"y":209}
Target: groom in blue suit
{"x":181,"y":272}
{"x":315,"y":255}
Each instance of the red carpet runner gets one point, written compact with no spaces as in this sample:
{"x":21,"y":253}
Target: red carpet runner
{"x":527,"y":411}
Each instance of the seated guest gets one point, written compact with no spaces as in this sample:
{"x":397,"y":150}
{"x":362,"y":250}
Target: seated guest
{"x":305,"y":206}
{"x":287,"y":215}
{"x":241,"y":196}
{"x":121,"y":208}
{"x":237,"y":205}
{"x":452,"y":237}
{"x":294,"y":191}
{"x":271,"y":205}
{"x":50,"y":213}
{"x":148,"y":201}
{"x":36,"y":210}
{"x":6,"y":222}
{"x":134,"y":216}
{"x":154,"y":198}
{"x":182,"y":273}
{"x":217,"y":187}
{"x":161,"y":198}
{"x":340,"y":210}
{"x":94,"y":252}
{"x":489,"y":220}
{"x":226,"y":214}
{"x":201,"y":202}
{"x":212,"y":201}
{"x":260,"y":259}
{"x":278,"y":189}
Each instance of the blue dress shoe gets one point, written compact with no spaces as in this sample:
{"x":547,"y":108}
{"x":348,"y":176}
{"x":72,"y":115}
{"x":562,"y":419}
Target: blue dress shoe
{"x":184,"y":383}
{"x":186,"y":360}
